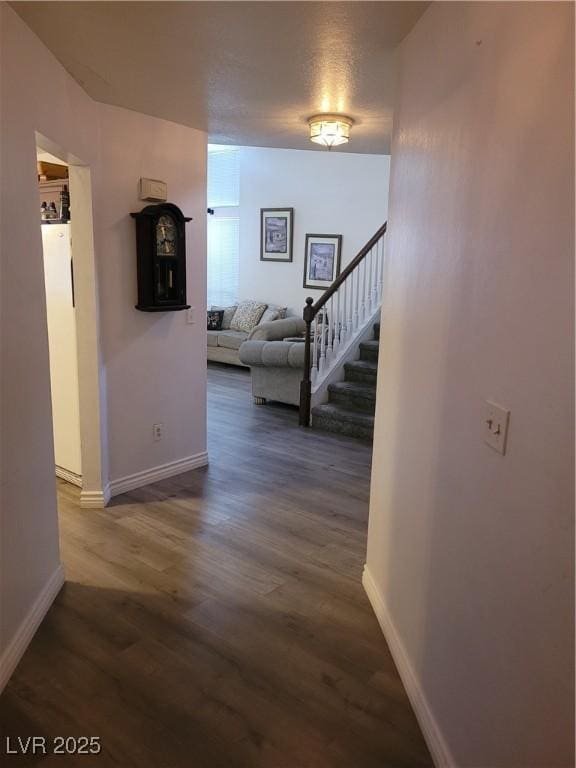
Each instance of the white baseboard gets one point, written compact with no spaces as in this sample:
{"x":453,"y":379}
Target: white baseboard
{"x":95,"y":499}
{"x":70,"y":477}
{"x":138,"y":479}
{"x":99,"y":499}
{"x":27,"y":629}
{"x":430,"y":729}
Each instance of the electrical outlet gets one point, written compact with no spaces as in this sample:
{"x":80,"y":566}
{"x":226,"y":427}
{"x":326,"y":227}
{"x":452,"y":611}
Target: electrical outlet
{"x":191,"y":316}
{"x":158,"y":431}
{"x":496,"y":421}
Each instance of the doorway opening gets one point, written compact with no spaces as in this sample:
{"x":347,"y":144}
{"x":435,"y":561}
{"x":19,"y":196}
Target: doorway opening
{"x":78,"y":405}
{"x":53,"y":187}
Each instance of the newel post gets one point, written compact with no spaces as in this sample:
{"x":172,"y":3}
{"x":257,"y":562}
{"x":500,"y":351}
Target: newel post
{"x":306,"y":383}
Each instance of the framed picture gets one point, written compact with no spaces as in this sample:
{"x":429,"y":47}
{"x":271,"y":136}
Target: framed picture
{"x":276,"y":227}
{"x":322,"y":260}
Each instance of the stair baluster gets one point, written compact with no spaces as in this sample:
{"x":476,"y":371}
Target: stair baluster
{"x":375,"y":276}
{"x":367,"y":283}
{"x":363,"y":287}
{"x":350,"y":316}
{"x":343,"y":331}
{"x":369,"y":297}
{"x":369,"y":302}
{"x":322,"y":363}
{"x":330,"y":340}
{"x":315,"y":352}
{"x":381,"y":271}
{"x":337,"y":339}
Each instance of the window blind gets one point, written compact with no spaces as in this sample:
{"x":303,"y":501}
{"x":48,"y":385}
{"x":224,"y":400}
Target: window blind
{"x":223,"y":176}
{"x":223,"y":224}
{"x":223,"y":260}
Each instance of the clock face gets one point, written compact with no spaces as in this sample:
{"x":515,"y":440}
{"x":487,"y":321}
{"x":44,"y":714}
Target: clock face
{"x":166,"y":236}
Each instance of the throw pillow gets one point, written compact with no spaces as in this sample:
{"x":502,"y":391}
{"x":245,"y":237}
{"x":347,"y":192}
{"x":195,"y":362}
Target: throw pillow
{"x":282,"y":311}
{"x":214,"y":319}
{"x":247,"y":316}
{"x":228,"y":315}
{"x":269,"y":315}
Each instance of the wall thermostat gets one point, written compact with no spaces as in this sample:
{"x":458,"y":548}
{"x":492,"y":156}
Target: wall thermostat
{"x":153,"y":190}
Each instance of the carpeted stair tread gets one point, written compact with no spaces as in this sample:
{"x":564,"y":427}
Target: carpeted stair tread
{"x":345,"y":421}
{"x":369,"y":350}
{"x":361,"y":370}
{"x":354,"y":394}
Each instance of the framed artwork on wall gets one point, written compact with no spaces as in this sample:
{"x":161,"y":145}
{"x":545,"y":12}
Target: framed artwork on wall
{"x":322,"y":260}
{"x":276,"y":227}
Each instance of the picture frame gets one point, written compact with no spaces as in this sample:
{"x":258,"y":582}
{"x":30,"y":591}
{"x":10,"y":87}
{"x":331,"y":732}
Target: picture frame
{"x":322,"y":258}
{"x":276,"y":234}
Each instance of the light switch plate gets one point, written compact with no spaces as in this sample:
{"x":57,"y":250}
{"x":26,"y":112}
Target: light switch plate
{"x":191,"y":315}
{"x":496,"y":422}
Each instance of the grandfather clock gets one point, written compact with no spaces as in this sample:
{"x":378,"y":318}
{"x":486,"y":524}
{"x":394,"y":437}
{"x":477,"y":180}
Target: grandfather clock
{"x":161,"y":258}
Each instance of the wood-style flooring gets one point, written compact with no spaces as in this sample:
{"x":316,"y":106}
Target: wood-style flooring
{"x":217,"y":619}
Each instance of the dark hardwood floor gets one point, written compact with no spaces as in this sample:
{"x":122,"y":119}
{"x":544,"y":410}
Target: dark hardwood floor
{"x":217,"y":619}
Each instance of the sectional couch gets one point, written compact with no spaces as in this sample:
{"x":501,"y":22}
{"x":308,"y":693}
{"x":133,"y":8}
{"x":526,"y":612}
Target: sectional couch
{"x":224,"y":344}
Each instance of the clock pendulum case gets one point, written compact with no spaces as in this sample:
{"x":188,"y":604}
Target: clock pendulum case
{"x":161,"y":258}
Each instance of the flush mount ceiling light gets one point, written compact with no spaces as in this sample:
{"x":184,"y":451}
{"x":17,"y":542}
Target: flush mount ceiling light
{"x":330,"y":130}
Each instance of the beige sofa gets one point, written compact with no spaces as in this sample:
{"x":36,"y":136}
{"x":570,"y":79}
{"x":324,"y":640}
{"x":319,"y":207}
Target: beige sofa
{"x":224,"y":346}
{"x":277,"y":369}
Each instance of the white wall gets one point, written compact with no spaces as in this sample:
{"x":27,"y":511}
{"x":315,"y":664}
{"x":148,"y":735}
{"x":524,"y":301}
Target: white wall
{"x":28,"y":523}
{"x":331,"y":193}
{"x":470,"y":553}
{"x":154,"y":365}
{"x":155,"y":362}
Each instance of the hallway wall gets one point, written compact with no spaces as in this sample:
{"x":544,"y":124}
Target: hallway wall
{"x":470,"y":553}
{"x":155,"y":361}
{"x":154,"y":366}
{"x":29,"y":558}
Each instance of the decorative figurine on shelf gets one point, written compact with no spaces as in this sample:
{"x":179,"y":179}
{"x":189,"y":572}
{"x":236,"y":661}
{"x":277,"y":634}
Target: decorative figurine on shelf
{"x":64,"y":204}
{"x":48,"y":213}
{"x":161,"y":258}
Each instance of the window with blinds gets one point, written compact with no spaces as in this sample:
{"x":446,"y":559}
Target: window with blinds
{"x":223,"y":224}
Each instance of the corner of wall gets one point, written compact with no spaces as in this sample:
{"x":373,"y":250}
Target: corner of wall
{"x":25,"y":632}
{"x":430,"y":728}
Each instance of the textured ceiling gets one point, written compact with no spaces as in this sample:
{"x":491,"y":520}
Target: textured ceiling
{"x":247,"y":72}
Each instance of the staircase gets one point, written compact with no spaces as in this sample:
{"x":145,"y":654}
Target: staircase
{"x":352,"y":402}
{"x":338,"y":325}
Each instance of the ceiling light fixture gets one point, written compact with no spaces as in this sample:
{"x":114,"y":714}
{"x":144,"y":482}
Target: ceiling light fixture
{"x":330,"y":130}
